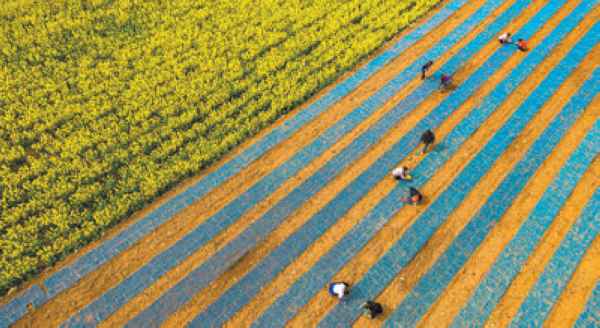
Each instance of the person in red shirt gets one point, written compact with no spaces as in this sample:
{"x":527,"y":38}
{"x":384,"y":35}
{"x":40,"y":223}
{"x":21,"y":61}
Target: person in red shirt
{"x":522,"y":45}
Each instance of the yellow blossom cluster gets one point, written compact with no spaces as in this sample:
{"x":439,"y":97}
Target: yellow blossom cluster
{"x":106,"y":104}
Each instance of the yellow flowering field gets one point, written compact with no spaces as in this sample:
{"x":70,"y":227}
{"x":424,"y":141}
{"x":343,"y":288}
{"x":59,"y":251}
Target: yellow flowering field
{"x":106,"y":104}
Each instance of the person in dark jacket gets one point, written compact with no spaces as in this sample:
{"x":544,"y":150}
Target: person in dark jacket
{"x":371,"y":309}
{"x":427,"y":138}
{"x":414,"y":196}
{"x":425,"y":68}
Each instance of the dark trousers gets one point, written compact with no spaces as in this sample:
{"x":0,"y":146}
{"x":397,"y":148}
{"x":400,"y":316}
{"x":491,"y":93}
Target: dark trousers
{"x":426,"y":147}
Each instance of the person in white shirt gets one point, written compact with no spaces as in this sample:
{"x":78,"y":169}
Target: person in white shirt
{"x":505,"y":38}
{"x":401,"y":173}
{"x":339,"y":289}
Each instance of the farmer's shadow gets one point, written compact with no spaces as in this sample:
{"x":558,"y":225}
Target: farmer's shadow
{"x":439,"y":147}
{"x":448,"y":88}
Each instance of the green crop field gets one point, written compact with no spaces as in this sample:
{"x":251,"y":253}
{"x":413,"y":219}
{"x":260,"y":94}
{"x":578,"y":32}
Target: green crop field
{"x":104,"y":104}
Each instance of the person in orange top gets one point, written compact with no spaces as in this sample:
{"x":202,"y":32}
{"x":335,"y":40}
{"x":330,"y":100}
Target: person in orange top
{"x":522,"y":45}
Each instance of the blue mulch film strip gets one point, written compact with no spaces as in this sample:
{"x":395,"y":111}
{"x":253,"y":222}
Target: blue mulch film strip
{"x":285,"y":307}
{"x":426,"y":291}
{"x":510,"y":262}
{"x":69,"y":275}
{"x":162,"y":263}
{"x":590,"y":317}
{"x":561,"y":267}
{"x":211,"y":269}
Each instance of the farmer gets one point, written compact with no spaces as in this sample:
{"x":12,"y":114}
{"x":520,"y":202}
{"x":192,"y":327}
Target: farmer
{"x":505,"y":38}
{"x":425,"y":68}
{"x":401,"y":173}
{"x":427,"y":138}
{"x":371,"y":309}
{"x":339,"y":289}
{"x":522,"y":45}
{"x":414,"y":196}
{"x":445,"y":81}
